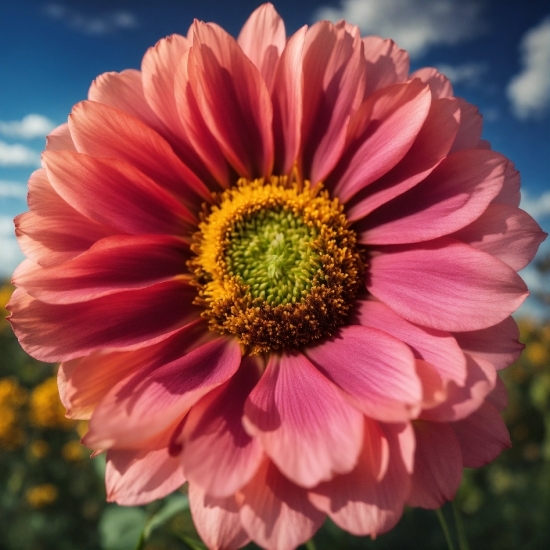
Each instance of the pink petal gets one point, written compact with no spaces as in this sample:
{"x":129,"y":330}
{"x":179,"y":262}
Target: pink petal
{"x":506,"y":232}
{"x":429,"y":148}
{"x":158,"y":68}
{"x":375,"y":453}
{"x":483,"y":143}
{"x":202,"y":143}
{"x":379,"y":135}
{"x":42,"y":199}
{"x":446,"y":285}
{"x":262,"y":39}
{"x":276,"y":513}
{"x":455,"y":194}
{"x":499,"y":396}
{"x":433,"y":387}
{"x":53,"y":332}
{"x":354,"y":30}
{"x":482,"y":343}
{"x":482,"y":436}
{"x":52,"y":240}
{"x":103,"y":131}
{"x":510,"y":193}
{"x":218,"y":455}
{"x":60,"y":138}
{"x":138,"y":477}
{"x":303,"y":422}
{"x":82,"y":406}
{"x":334,"y":72}
{"x":124,"y":91}
{"x":360,"y":503}
{"x":217,"y":520}
{"x":462,"y":401}
{"x":85,"y":381}
{"x":136,"y":410}
{"x":374,"y":368}
{"x":405,"y":442}
{"x":53,"y":231}
{"x":437,"y":465}
{"x":386,"y":63}
{"x":439,"y":84}
{"x":116,"y":194}
{"x":116,"y":263}
{"x":469,"y":131}
{"x":436,"y":347}
{"x":287,"y":99}
{"x":241,"y":122}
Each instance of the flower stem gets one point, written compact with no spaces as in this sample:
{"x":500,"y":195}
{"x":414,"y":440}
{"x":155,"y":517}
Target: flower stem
{"x":141,"y":542}
{"x":310,"y":545}
{"x":443,"y":523}
{"x":462,"y":540}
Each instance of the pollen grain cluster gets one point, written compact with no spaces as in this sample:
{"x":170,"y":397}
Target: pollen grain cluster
{"x":276,"y":264}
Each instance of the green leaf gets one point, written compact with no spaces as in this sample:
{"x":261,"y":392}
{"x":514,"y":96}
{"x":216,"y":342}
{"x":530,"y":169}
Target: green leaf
{"x":98,"y":463}
{"x":174,"y":504}
{"x":192,"y":543}
{"x":120,"y":528}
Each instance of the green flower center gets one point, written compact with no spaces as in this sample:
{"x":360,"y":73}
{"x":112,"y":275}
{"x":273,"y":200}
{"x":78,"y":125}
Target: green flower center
{"x":271,"y":252}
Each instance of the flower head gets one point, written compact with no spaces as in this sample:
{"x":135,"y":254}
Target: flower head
{"x":281,"y":270}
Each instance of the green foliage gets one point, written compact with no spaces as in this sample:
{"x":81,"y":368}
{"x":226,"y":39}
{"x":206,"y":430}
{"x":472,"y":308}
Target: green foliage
{"x":52,"y":495}
{"x":120,"y":528}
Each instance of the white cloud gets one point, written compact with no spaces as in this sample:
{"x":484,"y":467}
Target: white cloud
{"x":538,"y":207}
{"x":415,"y":25}
{"x":467,"y":73}
{"x":10,"y":254}
{"x":29,"y":127}
{"x":18,"y":155}
{"x":13,"y":189}
{"x":106,"y":23}
{"x":529,"y":90}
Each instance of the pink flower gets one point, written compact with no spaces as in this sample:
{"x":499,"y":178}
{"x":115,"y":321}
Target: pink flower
{"x":282,"y":270}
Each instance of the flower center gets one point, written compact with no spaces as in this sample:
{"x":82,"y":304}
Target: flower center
{"x":276,"y":264}
{"x":271,"y":252}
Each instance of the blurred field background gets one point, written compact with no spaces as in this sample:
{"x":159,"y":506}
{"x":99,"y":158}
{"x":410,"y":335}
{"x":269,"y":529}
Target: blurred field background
{"x":52,"y":494}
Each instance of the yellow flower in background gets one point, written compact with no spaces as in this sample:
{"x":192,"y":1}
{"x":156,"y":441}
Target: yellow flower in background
{"x":537,"y":354}
{"x":5,"y":295}
{"x":45,"y":408}
{"x":12,"y":398}
{"x":72,"y":451}
{"x":11,"y":393}
{"x":39,"y":448}
{"x":11,"y":435}
{"x":40,"y":496}
{"x":82,"y":427}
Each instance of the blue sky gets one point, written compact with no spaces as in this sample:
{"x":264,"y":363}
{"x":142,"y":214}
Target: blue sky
{"x":496,"y":52}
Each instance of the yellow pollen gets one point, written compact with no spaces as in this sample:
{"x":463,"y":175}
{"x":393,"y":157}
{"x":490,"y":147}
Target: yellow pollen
{"x":276,"y":264}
